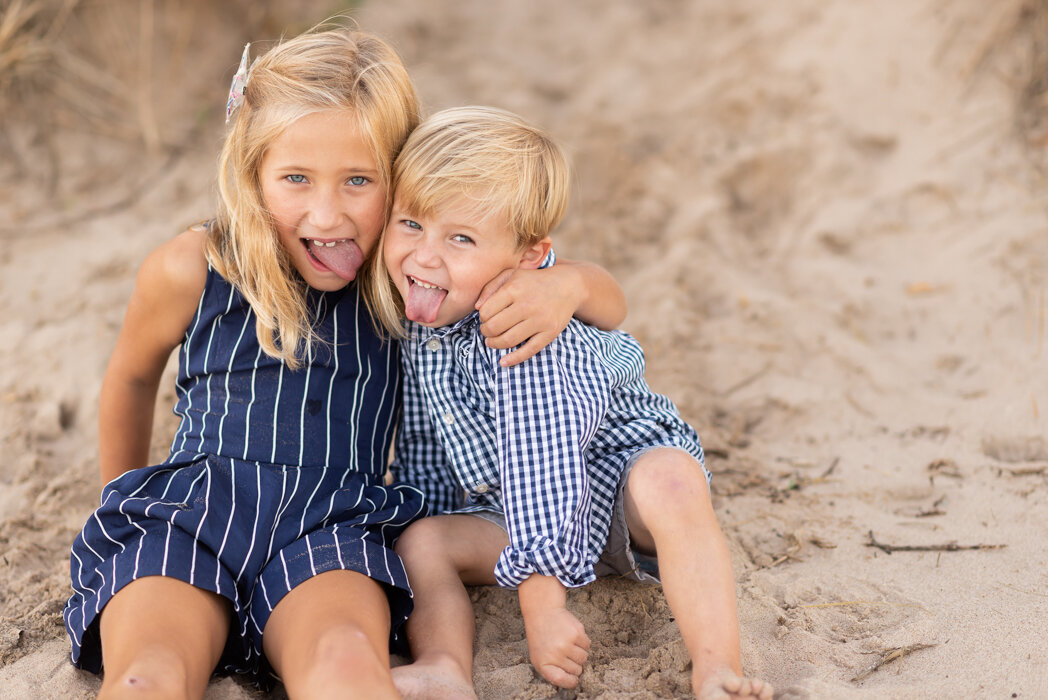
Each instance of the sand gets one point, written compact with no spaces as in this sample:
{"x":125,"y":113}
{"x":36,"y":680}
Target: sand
{"x":830,"y":222}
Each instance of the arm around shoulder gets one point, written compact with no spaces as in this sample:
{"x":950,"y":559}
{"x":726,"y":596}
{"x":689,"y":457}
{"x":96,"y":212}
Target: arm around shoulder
{"x":167,"y":291}
{"x":530,"y":308}
{"x":601,"y":301}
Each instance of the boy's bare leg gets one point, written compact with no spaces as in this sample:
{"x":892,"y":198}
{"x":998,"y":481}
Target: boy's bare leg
{"x":161,"y":638}
{"x":329,"y":638}
{"x":669,"y":513}
{"x":441,"y":554}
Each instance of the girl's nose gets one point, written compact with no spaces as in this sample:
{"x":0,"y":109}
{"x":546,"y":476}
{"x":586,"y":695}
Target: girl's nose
{"x":324,"y":211}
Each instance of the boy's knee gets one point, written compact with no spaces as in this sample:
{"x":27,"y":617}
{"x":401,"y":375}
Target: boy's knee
{"x":423,"y":537}
{"x":667,"y":481}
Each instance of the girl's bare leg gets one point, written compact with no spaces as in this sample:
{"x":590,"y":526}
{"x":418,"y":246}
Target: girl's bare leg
{"x":329,"y":638}
{"x":440,"y":554}
{"x":669,"y":513}
{"x":161,"y":638}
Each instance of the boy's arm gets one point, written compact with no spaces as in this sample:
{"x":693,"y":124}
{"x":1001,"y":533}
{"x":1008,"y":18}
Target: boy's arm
{"x":419,"y":458}
{"x":544,"y":420}
{"x":167,"y":291}
{"x":536,"y":305}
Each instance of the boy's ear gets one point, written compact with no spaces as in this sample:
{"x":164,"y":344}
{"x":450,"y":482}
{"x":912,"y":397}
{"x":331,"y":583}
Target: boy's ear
{"x":535,"y":253}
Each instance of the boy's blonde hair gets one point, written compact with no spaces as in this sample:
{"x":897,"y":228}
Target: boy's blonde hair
{"x":491,"y":158}
{"x":316,"y":71}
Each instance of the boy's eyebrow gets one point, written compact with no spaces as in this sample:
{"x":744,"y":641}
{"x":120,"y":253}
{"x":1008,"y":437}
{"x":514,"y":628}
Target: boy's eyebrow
{"x":456,"y":225}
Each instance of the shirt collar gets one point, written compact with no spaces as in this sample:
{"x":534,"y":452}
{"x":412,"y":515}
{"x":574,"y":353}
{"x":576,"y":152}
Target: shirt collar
{"x":417,"y":331}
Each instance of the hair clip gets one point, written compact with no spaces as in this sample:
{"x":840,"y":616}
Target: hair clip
{"x":236,"y":90}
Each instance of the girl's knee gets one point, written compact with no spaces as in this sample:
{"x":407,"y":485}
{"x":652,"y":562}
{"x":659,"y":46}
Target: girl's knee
{"x":344,"y":653}
{"x":155,"y":672}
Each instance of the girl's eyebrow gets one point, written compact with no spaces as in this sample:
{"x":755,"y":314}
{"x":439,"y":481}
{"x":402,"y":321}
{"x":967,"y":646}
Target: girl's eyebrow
{"x":307,"y":169}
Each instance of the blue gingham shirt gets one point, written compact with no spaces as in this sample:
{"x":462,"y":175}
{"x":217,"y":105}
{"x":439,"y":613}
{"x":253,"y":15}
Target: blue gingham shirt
{"x":544,"y":442}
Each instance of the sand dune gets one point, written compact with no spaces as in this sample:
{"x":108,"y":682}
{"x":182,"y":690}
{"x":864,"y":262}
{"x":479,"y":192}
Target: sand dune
{"x":830,"y":221}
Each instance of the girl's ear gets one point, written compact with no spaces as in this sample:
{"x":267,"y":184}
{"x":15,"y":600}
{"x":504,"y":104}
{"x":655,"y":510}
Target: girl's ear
{"x":534,"y":254}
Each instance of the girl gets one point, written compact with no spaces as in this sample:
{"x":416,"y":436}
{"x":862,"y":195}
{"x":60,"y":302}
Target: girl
{"x":263,"y":542}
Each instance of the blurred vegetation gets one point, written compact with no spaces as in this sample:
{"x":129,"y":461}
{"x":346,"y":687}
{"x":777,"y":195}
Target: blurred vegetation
{"x":99,"y":91}
{"x":1033,"y":98}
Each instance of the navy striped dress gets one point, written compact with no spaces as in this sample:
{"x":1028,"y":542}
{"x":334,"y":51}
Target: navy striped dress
{"x":274,"y":476}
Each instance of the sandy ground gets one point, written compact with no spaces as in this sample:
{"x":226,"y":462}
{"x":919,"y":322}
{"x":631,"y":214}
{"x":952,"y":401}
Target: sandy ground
{"x":830,"y":221}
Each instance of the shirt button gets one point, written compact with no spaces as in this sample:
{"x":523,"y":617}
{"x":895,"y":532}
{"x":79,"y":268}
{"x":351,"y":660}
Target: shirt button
{"x":433,"y":344}
{"x":448,"y":418}
{"x":481,"y":488}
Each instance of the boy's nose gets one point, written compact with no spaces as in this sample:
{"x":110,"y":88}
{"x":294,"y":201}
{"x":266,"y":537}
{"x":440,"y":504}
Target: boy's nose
{"x":425,"y":254}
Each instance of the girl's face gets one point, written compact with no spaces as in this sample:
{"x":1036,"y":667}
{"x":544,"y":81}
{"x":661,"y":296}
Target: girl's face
{"x":321,"y":184}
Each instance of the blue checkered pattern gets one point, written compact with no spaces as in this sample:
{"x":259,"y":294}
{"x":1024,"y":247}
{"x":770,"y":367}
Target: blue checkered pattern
{"x":544,"y":442}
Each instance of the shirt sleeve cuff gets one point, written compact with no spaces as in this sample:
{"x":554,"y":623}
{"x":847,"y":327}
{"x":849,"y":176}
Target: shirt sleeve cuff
{"x":571,"y":566}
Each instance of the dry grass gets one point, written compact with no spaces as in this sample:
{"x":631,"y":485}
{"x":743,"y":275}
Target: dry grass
{"x":109,"y":91}
{"x":27,"y":32}
{"x":86,"y":65}
{"x":1033,"y":100}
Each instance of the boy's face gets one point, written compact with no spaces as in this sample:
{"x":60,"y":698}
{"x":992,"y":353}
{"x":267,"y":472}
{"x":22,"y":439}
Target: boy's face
{"x":440,"y":263}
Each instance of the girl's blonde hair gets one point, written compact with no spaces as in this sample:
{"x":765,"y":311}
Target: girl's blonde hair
{"x":495,"y":160}
{"x":322,"y":69}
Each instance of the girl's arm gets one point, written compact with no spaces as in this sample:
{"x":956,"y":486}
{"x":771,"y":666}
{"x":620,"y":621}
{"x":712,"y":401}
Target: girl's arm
{"x":167,"y":291}
{"x":536,"y":305}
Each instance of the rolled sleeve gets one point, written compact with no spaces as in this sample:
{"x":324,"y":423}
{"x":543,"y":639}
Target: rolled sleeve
{"x":544,"y":423}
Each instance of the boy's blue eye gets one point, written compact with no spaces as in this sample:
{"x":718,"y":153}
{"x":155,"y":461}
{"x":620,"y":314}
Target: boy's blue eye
{"x":297,"y":179}
{"x":461,"y":238}
{"x":412,"y":224}
{"x":358,"y":180}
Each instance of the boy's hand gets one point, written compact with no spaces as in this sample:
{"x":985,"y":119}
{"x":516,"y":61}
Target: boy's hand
{"x":557,"y":641}
{"x":527,"y":305}
{"x":558,"y":646}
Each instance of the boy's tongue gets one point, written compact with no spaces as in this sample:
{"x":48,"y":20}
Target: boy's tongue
{"x":344,"y":258}
{"x":422,"y":304}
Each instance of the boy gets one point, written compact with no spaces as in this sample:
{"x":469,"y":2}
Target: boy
{"x":542,"y":476}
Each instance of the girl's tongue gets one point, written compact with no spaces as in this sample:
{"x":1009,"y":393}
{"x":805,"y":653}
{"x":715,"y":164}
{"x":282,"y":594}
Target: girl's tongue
{"x":422,"y":303}
{"x":344,"y":258}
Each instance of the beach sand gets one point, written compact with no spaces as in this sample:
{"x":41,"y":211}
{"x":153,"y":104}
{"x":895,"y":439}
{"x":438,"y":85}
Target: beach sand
{"x":829,"y":219}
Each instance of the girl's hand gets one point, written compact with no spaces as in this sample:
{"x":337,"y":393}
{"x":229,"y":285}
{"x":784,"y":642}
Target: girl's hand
{"x":533,"y":306}
{"x":527,"y":306}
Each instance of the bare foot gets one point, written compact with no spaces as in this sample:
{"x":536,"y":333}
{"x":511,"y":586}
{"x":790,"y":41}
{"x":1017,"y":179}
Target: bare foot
{"x":434,"y":680}
{"x":725,"y":684}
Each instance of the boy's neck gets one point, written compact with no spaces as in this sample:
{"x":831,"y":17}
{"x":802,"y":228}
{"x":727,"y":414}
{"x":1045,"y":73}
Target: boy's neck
{"x":446,"y":326}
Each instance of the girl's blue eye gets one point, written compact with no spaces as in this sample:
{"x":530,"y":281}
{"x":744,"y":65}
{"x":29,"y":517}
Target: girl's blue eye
{"x":297,"y":179}
{"x":358,"y":180}
{"x":412,"y":224}
{"x":461,"y":238}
